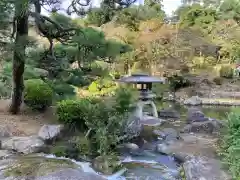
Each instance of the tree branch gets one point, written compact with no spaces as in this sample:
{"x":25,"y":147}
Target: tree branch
{"x":44,"y":24}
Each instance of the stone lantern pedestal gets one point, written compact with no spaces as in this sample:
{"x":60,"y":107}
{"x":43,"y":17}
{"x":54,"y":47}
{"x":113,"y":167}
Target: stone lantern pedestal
{"x":143,"y":83}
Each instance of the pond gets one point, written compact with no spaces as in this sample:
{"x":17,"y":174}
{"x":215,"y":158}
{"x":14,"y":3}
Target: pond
{"x":217,"y":112}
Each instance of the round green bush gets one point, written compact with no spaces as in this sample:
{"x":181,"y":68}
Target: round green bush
{"x":226,"y":72}
{"x":75,"y":113}
{"x":37,"y":94}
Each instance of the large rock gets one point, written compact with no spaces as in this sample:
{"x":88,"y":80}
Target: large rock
{"x":193,"y":101}
{"x":9,"y":130}
{"x":5,"y":154}
{"x":26,"y":145}
{"x":133,"y":127}
{"x":50,"y":132}
{"x":70,"y":174}
{"x":211,"y":126}
{"x":195,"y":115}
{"x":201,"y":168}
{"x":169,"y":113}
{"x":131,"y":146}
{"x":189,"y":145}
{"x":41,"y":168}
{"x":164,"y":149}
{"x":167,"y":134}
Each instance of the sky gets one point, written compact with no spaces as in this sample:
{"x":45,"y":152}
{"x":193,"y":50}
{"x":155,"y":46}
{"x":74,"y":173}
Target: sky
{"x":169,"y":5}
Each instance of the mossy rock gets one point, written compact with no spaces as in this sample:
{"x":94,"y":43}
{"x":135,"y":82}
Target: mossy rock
{"x":76,"y":148}
{"x":37,"y":166}
{"x":107,"y":164}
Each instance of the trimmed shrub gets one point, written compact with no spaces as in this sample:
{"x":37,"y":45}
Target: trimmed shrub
{"x":226,"y":72}
{"x":75,"y":113}
{"x":37,"y":94}
{"x":61,"y":89}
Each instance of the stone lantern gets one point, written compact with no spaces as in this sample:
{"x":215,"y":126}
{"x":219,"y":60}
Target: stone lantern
{"x":143,"y":83}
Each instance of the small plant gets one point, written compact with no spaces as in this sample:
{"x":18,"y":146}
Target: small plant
{"x":37,"y":94}
{"x":124,"y":100}
{"x":176,"y":82}
{"x":218,"y":80}
{"x":104,"y":122}
{"x":184,"y":69}
{"x":59,"y":151}
{"x":226,"y":72}
{"x":231,"y":145}
{"x":82,"y":144}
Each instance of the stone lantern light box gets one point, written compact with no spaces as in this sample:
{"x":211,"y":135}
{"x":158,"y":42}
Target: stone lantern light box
{"x":143,"y":83}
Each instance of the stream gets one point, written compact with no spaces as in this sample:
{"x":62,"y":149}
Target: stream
{"x":149,"y":167}
{"x":147,"y":164}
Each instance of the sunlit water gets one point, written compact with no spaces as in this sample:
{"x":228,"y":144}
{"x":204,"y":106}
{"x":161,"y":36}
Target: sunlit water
{"x":137,"y":168}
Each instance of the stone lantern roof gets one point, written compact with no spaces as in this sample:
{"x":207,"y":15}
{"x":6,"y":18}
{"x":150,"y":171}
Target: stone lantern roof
{"x":142,"y":78}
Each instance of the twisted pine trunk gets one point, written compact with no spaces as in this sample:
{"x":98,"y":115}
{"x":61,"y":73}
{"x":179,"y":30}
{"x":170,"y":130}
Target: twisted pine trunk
{"x":19,"y":62}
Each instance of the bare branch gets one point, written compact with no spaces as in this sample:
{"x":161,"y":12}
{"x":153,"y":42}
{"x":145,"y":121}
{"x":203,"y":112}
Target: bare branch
{"x":126,"y":3}
{"x":77,"y":6}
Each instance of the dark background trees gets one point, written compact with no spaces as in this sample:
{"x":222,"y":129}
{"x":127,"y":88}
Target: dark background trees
{"x":122,"y":36}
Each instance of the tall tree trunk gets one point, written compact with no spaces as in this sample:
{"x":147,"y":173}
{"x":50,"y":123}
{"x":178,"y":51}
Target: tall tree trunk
{"x":19,"y":62}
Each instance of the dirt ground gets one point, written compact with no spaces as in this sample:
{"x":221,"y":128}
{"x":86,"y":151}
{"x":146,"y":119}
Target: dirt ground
{"x":26,"y":122}
{"x":205,"y":87}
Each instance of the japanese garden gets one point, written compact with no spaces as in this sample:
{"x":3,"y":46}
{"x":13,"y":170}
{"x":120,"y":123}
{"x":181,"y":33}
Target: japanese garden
{"x":122,"y":90}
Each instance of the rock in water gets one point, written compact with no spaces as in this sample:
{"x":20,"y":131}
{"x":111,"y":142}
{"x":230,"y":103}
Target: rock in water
{"x":171,"y":134}
{"x":26,"y":145}
{"x":133,"y":127}
{"x":50,"y":132}
{"x":200,"y":168}
{"x":193,"y":101}
{"x":195,"y":115}
{"x":163,"y":149}
{"x":131,"y":146}
{"x":167,"y":134}
{"x":208,"y":127}
{"x":159,"y":133}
